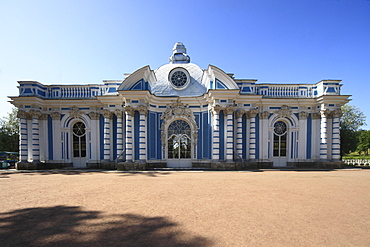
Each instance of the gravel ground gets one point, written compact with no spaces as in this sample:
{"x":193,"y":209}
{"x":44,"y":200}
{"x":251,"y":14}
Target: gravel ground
{"x":269,"y":208}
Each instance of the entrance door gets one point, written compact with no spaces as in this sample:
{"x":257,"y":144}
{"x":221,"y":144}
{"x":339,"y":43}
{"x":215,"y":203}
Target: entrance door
{"x":179,"y":144}
{"x":280,"y":144}
{"x":79,"y":145}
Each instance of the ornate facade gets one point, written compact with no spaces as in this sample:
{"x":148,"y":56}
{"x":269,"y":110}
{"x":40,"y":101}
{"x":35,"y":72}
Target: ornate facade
{"x":179,"y":115}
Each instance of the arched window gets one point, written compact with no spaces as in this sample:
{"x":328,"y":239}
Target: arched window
{"x":280,"y":139}
{"x":179,"y":140}
{"x":79,"y":140}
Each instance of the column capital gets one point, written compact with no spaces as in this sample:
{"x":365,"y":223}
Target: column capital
{"x":315,"y":115}
{"x":264,"y":115}
{"x":252,"y":113}
{"x":35,"y":114}
{"x":143,"y":110}
{"x":303,"y":115}
{"x":326,"y":113}
{"x":22,"y":114}
{"x":43,"y":116}
{"x":337,"y":113}
{"x":216,"y":109}
{"x":118,"y":113}
{"x":239,"y":113}
{"x":229,"y":109}
{"x":129,"y":110}
{"x":55,"y":115}
{"x":106,"y":113}
{"x":94,"y":115}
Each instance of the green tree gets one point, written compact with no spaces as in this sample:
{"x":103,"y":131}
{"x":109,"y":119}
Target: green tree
{"x":351,"y":122}
{"x":9,"y":132}
{"x":364,"y":141}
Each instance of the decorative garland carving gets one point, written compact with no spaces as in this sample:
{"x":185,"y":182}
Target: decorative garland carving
{"x":75,"y":112}
{"x":284,"y":112}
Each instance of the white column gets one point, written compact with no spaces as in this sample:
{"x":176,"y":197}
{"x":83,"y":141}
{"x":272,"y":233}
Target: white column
{"x":43,"y":137}
{"x":229,"y":133}
{"x":35,"y":136}
{"x":129,"y":141}
{"x":239,"y":133}
{"x":119,"y":115}
{"x":142,"y":132}
{"x":335,"y":146}
{"x":216,"y":133}
{"x":263,"y":136}
{"x":302,"y":136}
{"x":57,"y":136}
{"x":315,"y":135}
{"x":106,"y":142}
{"x":323,"y":135}
{"x":252,"y":137}
{"x":95,"y":150}
{"x":23,"y":137}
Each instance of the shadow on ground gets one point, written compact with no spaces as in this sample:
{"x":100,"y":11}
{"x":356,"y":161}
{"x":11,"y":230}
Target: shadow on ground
{"x":72,"y":226}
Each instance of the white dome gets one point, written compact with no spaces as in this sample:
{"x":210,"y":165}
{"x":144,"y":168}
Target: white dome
{"x":163,"y":86}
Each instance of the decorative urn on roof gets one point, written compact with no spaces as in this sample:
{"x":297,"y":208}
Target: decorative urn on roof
{"x":179,"y":54}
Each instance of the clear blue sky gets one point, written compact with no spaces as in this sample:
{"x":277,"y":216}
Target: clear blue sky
{"x":284,"y":41}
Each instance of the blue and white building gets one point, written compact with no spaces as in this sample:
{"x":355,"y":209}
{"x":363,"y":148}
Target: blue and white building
{"x":180,"y":115}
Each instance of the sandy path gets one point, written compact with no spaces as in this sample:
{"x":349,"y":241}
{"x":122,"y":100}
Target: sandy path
{"x":271,"y":208}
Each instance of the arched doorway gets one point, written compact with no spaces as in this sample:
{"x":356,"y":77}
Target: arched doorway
{"x":179,"y":144}
{"x":280,"y":143}
{"x":79,"y":145}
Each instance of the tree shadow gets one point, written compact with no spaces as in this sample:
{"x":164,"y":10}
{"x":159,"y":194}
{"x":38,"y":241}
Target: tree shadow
{"x":72,"y":226}
{"x":145,"y":173}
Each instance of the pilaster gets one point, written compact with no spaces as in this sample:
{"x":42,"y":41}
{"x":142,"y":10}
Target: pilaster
{"x":119,"y":147}
{"x":23,"y":137}
{"x":252,"y":135}
{"x":302,"y":136}
{"x":142,"y":132}
{"x":129,"y":137}
{"x":107,"y":132}
{"x":325,"y":114}
{"x":216,"y":132}
{"x":95,"y":150}
{"x":335,"y":147}
{"x":35,"y":135}
{"x":239,"y":133}
{"x":263,"y":137}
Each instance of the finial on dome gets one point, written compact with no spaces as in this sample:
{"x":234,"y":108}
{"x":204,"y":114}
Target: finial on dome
{"x":179,"y":54}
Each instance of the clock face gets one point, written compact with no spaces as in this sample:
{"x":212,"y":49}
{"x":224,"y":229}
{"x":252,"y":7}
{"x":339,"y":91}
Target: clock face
{"x":179,"y":79}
